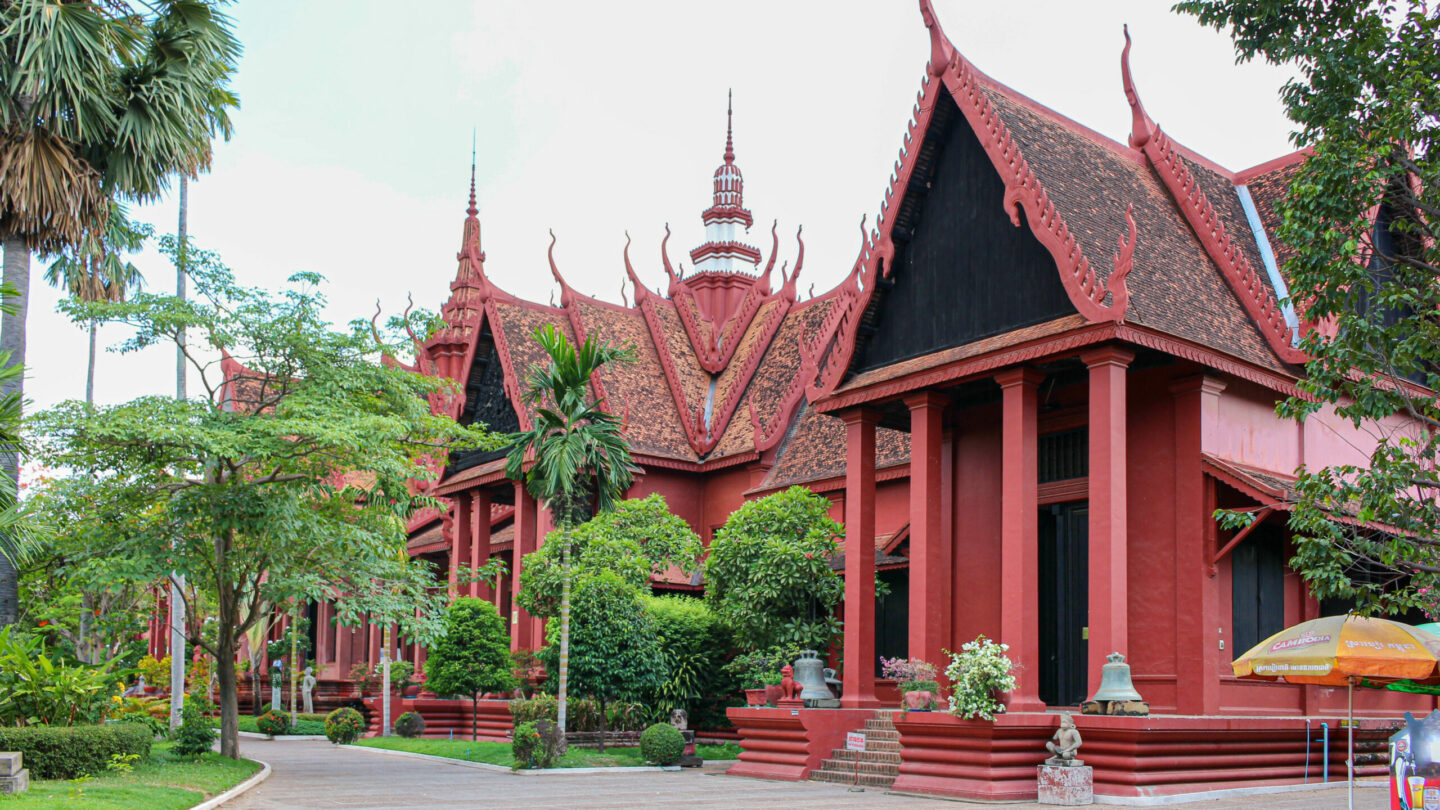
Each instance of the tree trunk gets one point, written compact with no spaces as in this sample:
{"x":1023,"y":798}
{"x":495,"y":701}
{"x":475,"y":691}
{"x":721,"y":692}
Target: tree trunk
{"x":90,"y":368}
{"x":474,"y":716}
{"x":177,"y":633}
{"x":180,"y":264}
{"x":601,"y":701}
{"x":564,"y":629}
{"x":229,"y":697}
{"x":12,"y":340}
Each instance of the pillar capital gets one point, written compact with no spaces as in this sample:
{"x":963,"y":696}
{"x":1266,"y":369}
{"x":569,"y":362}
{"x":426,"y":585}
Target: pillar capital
{"x":1202,"y":383}
{"x":1024,"y":375}
{"x":928,"y":398}
{"x":860,"y":414}
{"x":1107,"y":356}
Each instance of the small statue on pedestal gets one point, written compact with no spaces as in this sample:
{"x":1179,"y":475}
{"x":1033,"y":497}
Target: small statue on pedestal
{"x":307,"y":687}
{"x":789,"y":687}
{"x":1064,"y":744}
{"x":275,"y":678}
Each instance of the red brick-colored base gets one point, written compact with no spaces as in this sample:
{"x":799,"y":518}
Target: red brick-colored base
{"x":790,"y":743}
{"x":446,"y":717}
{"x":972,"y":759}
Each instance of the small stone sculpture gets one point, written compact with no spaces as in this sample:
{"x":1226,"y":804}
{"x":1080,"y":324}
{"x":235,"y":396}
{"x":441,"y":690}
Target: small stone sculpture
{"x":275,"y":672}
{"x":307,"y":687}
{"x":1065,"y":743}
{"x":680,"y":719}
{"x":789,"y":687}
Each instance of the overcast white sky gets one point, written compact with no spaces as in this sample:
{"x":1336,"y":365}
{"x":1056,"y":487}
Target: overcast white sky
{"x":351,"y":155}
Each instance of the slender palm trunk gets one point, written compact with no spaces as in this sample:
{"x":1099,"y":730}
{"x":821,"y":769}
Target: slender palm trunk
{"x":177,"y":582}
{"x":90,"y":367}
{"x":564,"y":629}
{"x":12,"y":340}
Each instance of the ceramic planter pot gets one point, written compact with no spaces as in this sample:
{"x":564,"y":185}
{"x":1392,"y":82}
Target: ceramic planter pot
{"x":754,"y":697}
{"x":773,"y":693}
{"x":918,"y":700}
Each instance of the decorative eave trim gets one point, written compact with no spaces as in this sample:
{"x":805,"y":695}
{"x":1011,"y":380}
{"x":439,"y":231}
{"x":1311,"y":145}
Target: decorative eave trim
{"x":672,"y":375}
{"x":1247,"y":285}
{"x":721,"y":417}
{"x":1053,"y":347}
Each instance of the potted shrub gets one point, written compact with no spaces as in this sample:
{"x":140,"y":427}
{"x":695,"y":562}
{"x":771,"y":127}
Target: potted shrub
{"x":773,"y":692}
{"x":363,"y":677}
{"x":915,"y":678}
{"x":981,"y":675}
{"x":401,"y":676}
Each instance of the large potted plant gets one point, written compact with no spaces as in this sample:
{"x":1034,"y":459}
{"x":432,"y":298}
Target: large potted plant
{"x":981,"y":674}
{"x":915,"y":678}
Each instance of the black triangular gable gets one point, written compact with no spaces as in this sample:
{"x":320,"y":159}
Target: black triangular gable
{"x":962,"y":270}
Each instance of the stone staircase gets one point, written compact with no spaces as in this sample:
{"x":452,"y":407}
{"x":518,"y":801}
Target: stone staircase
{"x":877,"y":765}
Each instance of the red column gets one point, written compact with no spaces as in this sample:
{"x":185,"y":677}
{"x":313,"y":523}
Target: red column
{"x":344,"y":638}
{"x":1109,"y":546}
{"x":930,"y":549}
{"x":859,"y":678}
{"x":373,"y":647}
{"x":1198,"y":657}
{"x":1020,"y":534}
{"x":522,"y":626}
{"x":459,"y":540}
{"x":480,"y":541}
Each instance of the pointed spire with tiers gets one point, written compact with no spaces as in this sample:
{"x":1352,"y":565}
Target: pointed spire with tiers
{"x":723,"y":252}
{"x":464,"y":309}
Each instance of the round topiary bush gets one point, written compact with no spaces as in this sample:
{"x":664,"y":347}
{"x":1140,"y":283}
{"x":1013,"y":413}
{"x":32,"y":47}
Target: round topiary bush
{"x":662,"y":744}
{"x":273,"y":723}
{"x":342,"y":726}
{"x":410,"y":724}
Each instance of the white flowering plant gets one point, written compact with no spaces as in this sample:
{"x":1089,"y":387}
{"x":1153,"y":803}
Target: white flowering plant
{"x":976,"y":673}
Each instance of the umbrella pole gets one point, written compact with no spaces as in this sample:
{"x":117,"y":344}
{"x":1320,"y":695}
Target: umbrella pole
{"x":1350,"y":742}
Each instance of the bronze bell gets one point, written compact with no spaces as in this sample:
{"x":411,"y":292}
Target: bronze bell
{"x":1115,"y":685}
{"x":810,"y":674}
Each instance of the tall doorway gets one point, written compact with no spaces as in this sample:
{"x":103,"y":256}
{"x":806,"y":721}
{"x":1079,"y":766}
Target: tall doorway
{"x":1064,"y":573}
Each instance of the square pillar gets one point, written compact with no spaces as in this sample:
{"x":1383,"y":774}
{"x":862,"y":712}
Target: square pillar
{"x":930,"y":547}
{"x":459,"y":525}
{"x":522,"y":625}
{"x":344,"y":641}
{"x":480,"y":540}
{"x":1109,"y":592}
{"x":859,"y":679}
{"x":373,"y":645}
{"x":1020,"y":533}
{"x":1198,"y":659}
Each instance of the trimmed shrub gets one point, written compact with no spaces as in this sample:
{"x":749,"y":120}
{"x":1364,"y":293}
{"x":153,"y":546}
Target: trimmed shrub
{"x":662,"y":744}
{"x":536,"y":708}
{"x":195,"y":735}
{"x":273,"y":722}
{"x":535,"y":745}
{"x":410,"y":724}
{"x":693,"y":643}
{"x":69,"y":752}
{"x":626,"y":716}
{"x":342,"y":726}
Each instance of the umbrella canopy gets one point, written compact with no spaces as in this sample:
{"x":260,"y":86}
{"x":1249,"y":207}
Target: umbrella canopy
{"x":1428,"y":687}
{"x":1332,"y":650}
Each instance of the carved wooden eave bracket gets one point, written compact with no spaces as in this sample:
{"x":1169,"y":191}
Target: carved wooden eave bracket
{"x":1249,"y":287}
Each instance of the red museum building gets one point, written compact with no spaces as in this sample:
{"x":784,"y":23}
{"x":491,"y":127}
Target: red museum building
{"x":1054,"y":357}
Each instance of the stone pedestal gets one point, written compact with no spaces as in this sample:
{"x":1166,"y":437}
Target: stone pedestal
{"x":14,"y":777}
{"x":792,"y":703}
{"x":1066,"y":785}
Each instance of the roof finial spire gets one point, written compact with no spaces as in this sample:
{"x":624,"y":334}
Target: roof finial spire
{"x":1141,"y":125}
{"x":472,"y":210}
{"x":729,"y":127}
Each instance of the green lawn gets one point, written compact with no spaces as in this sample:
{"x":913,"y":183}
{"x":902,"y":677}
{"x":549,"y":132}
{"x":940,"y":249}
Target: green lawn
{"x":498,"y":753}
{"x":305,"y":724}
{"x":161,"y":782}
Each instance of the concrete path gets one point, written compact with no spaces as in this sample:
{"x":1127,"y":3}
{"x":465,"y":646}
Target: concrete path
{"x":319,"y":775}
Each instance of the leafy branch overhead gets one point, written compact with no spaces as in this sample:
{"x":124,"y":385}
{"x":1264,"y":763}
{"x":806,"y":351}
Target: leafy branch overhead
{"x":1359,"y":237}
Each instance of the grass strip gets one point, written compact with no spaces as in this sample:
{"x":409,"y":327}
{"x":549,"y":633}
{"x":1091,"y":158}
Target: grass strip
{"x":498,"y":753}
{"x":161,"y":782}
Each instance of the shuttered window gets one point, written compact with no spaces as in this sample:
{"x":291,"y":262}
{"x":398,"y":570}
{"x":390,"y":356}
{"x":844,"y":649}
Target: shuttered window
{"x":1063,"y":455}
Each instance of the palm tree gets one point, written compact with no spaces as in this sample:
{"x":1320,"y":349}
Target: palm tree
{"x":94,"y":270}
{"x":579,"y":452}
{"x":97,"y":102}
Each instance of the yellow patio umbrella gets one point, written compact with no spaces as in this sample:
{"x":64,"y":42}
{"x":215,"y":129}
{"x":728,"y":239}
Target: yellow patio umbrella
{"x":1339,"y":650}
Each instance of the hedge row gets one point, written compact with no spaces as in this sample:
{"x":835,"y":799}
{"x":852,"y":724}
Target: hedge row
{"x":67,"y":752}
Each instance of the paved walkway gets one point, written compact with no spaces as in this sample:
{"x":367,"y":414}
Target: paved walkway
{"x":319,"y":775}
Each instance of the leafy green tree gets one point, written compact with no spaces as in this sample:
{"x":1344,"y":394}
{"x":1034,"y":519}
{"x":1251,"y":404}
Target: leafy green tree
{"x":636,"y":539}
{"x":98,"y":101}
{"x":693,"y":645}
{"x":291,"y":479}
{"x":768,"y":576}
{"x":577,"y":454}
{"x":617,"y":654}
{"x":1360,"y":225}
{"x":473,"y":655}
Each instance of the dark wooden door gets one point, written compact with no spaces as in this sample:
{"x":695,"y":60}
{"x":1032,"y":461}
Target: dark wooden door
{"x":1064,"y":603}
{"x":892,"y":617}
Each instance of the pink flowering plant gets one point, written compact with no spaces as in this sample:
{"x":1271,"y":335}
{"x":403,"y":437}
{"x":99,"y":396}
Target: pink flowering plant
{"x":976,"y":673}
{"x":910,"y":674}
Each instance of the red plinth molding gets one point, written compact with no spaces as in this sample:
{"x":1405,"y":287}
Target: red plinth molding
{"x":442,"y":717}
{"x":973,"y":759}
{"x":789,"y":743}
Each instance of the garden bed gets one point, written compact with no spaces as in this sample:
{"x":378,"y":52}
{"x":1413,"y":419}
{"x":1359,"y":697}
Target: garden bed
{"x":161,"y":782}
{"x":497,"y":753}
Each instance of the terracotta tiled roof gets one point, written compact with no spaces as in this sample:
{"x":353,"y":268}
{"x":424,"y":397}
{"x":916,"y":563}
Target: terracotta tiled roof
{"x":1266,"y":190}
{"x":816,"y":451}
